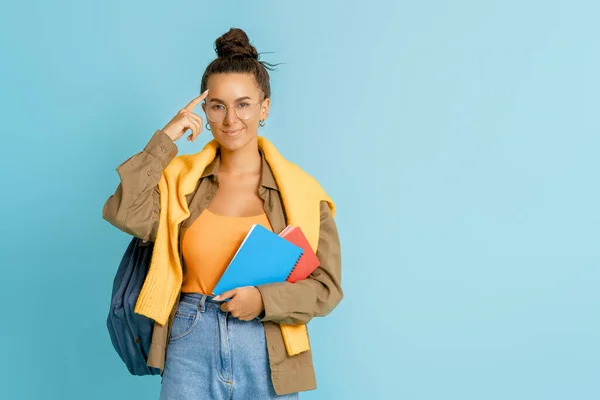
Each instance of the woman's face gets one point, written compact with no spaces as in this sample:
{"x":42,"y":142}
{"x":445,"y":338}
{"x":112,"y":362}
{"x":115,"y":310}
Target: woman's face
{"x":237,"y":92}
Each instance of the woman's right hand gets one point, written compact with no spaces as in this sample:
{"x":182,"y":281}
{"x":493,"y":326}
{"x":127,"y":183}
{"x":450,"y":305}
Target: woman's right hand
{"x":186,"y":119}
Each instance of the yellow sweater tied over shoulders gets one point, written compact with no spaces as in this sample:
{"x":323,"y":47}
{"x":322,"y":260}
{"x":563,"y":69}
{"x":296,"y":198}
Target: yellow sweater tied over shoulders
{"x":301,"y":195}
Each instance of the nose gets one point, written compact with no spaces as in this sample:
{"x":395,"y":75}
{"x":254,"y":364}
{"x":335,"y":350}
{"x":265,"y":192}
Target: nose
{"x":230,"y":116}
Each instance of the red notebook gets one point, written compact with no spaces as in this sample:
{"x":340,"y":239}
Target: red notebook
{"x":308,"y":261}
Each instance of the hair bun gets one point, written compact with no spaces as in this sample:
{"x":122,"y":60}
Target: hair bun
{"x":235,"y":43}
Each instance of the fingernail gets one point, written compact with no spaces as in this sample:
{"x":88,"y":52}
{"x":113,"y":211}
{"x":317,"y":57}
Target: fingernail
{"x":217,"y":298}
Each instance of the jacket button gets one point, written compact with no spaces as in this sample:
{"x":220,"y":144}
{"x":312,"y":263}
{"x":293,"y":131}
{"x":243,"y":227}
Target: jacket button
{"x":162,"y":148}
{"x":149,"y":173}
{"x":209,"y":197}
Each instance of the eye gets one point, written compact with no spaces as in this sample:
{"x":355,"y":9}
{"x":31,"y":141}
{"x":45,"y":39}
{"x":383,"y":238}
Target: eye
{"x":217,"y":107}
{"x":243,"y":105}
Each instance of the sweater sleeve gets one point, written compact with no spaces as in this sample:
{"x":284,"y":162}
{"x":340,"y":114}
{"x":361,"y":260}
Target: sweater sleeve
{"x":134,"y":207}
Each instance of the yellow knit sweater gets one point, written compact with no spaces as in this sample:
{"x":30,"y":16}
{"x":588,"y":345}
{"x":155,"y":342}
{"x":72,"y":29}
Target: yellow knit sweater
{"x":301,"y":195}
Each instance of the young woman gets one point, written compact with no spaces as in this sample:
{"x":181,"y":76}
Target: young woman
{"x":215,"y":349}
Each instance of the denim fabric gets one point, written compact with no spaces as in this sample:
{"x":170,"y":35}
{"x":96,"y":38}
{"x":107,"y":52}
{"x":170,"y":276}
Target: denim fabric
{"x":213,"y":355}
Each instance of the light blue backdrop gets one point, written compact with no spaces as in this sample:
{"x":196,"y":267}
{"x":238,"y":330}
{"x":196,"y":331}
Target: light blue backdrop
{"x":459,"y":140}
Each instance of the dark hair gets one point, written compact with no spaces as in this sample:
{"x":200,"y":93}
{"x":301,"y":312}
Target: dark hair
{"x":235,"y":54}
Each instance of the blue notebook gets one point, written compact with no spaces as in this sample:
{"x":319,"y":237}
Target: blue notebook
{"x":263,"y":257}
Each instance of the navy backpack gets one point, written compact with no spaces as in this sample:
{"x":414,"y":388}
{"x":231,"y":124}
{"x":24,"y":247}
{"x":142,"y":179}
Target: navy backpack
{"x":131,"y":333}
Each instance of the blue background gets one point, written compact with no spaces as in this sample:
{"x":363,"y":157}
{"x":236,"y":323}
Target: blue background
{"x":459,"y":140}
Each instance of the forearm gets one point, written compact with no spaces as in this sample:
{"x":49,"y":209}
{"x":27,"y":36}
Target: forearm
{"x":316,"y":296}
{"x":134,"y":207}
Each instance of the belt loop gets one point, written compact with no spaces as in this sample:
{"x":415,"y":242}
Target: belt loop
{"x":202,"y":305}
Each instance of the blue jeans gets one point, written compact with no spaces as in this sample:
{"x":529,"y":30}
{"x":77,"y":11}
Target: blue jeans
{"x":213,"y":355}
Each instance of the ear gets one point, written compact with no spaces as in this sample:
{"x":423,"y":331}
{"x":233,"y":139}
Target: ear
{"x":204,"y":107}
{"x":264,"y":108}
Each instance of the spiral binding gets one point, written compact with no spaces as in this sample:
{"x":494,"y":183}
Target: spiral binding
{"x":295,"y":265}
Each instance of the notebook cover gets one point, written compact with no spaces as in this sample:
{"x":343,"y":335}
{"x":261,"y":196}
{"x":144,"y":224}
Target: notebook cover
{"x":263,"y":257}
{"x":308,"y":261}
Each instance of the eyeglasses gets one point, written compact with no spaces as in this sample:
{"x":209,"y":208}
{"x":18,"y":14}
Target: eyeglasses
{"x":218,"y":112}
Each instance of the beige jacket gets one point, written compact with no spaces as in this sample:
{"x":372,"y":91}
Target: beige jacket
{"x":135,"y":206}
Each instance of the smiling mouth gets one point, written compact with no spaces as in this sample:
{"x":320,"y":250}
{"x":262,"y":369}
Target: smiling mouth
{"x":232,"y":132}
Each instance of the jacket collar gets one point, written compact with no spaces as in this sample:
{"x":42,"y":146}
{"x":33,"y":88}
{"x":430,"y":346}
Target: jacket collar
{"x":267,"y":179}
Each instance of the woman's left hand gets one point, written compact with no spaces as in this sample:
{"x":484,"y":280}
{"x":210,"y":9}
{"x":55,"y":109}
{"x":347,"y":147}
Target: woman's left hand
{"x":246,"y":302}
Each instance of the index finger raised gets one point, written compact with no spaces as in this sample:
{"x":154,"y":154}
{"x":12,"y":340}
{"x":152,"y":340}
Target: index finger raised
{"x":194,"y":103}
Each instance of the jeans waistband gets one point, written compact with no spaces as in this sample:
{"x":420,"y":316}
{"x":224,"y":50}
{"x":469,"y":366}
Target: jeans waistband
{"x":197,"y":298}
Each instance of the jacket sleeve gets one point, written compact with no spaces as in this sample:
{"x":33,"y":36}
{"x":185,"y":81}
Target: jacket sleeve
{"x":134,"y":207}
{"x":317,"y":295}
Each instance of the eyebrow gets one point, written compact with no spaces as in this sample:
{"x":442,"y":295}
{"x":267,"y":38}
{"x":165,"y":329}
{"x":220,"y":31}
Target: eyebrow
{"x":214,"y":99}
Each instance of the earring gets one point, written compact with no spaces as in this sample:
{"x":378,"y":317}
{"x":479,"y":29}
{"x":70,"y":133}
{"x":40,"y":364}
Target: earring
{"x":261,"y":123}
{"x":207,"y":126}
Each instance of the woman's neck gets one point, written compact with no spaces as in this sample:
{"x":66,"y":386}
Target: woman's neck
{"x":245,"y":160}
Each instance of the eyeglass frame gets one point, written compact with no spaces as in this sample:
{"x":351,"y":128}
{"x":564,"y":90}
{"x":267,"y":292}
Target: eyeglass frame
{"x":226,"y":107}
